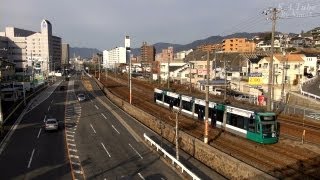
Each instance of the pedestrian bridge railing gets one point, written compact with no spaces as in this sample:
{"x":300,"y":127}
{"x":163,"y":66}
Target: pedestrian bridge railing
{"x":173,"y":159}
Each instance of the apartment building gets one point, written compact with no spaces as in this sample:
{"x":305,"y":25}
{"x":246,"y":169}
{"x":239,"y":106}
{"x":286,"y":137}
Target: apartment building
{"x":165,"y":55}
{"x":114,"y":57}
{"x":147,"y":52}
{"x":238,"y":45}
{"x":33,"y":52}
{"x":65,"y":54}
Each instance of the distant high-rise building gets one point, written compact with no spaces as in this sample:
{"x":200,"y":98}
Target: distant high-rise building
{"x":30,"y":51}
{"x":148,"y":53}
{"x":65,"y":54}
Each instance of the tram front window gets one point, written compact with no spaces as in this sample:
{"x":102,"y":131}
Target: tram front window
{"x":268,"y":130}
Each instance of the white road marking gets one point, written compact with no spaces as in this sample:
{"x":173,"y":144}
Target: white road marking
{"x":49,"y":108}
{"x":75,"y":163}
{"x":96,"y":106}
{"x":73,"y":150}
{"x":70,"y":135}
{"x":70,"y":139}
{"x":136,"y":151}
{"x":39,"y":133}
{"x":72,"y":132}
{"x":77,"y":171}
{"x":93,"y":129}
{"x":115,"y":129}
{"x":51,"y":101}
{"x":105,"y":149}
{"x":74,"y":156}
{"x":44,"y":119}
{"x":91,"y":100}
{"x":69,"y":144}
{"x":103,"y":115}
{"x":29,"y":164}
{"x":141,"y":176}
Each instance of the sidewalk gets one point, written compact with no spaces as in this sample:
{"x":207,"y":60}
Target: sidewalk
{"x":42,"y":96}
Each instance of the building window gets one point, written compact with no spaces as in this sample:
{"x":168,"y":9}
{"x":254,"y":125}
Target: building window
{"x":265,"y":65}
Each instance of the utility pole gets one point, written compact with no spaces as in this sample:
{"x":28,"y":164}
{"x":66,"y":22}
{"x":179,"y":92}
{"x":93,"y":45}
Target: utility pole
{"x":168,"y":71}
{"x":99,"y":55}
{"x":205,"y":140}
{"x":177,"y":135}
{"x":215,"y":65}
{"x":128,"y":50}
{"x":225,"y":80}
{"x":283,"y":76}
{"x":1,"y":115}
{"x":190,"y":78}
{"x":274,"y":12}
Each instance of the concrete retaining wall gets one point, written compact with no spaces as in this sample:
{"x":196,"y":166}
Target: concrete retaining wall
{"x":215,"y":159}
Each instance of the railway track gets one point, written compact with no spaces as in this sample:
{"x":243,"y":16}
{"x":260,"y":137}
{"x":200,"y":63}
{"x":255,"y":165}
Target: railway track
{"x":279,"y":160}
{"x":300,"y":129}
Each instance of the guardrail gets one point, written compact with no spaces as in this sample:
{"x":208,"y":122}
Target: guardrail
{"x":88,"y":74}
{"x":310,"y":95}
{"x":173,"y":159}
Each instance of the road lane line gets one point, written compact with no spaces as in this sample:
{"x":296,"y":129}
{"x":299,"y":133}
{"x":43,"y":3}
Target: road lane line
{"x":51,"y":101}
{"x":49,"y":108}
{"x":115,"y":129}
{"x":103,"y":115}
{"x":44,"y":119}
{"x":39,"y":133}
{"x":96,"y":106}
{"x":93,"y":129}
{"x":105,"y":149}
{"x":141,"y":176}
{"x":70,"y":135}
{"x":74,"y":156}
{"x":29,"y":164}
{"x":136,"y":151}
{"x":91,"y":100}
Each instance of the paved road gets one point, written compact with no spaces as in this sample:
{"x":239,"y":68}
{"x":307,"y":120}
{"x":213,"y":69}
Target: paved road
{"x":106,"y":148}
{"x":32,"y":153}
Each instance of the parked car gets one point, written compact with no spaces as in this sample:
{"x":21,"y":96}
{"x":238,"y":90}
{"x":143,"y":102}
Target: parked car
{"x":81,"y":97}
{"x":309,"y":75}
{"x":51,"y":124}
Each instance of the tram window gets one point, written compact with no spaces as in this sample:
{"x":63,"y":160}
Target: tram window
{"x":258,"y":128}
{"x":267,"y":128}
{"x":196,"y":108}
{"x":267,"y":118}
{"x":187,"y":105}
{"x":176,"y":101}
{"x":159,"y":96}
{"x":219,"y":115}
{"x":167,"y":99}
{"x":252,"y":125}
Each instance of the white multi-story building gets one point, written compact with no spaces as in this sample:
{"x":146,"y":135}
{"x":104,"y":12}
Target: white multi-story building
{"x":114,"y":57}
{"x":33,"y":52}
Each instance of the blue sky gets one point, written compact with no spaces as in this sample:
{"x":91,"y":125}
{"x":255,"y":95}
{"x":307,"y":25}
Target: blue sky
{"x":103,"y":24}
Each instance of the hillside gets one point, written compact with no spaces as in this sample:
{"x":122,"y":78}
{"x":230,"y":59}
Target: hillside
{"x":194,"y":44}
{"x":83,"y":52}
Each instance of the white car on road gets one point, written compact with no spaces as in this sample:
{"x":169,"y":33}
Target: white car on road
{"x":51,"y":124}
{"x":81,"y":97}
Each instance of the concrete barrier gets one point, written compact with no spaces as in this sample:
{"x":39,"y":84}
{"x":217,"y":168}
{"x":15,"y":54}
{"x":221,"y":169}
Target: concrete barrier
{"x":213,"y":158}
